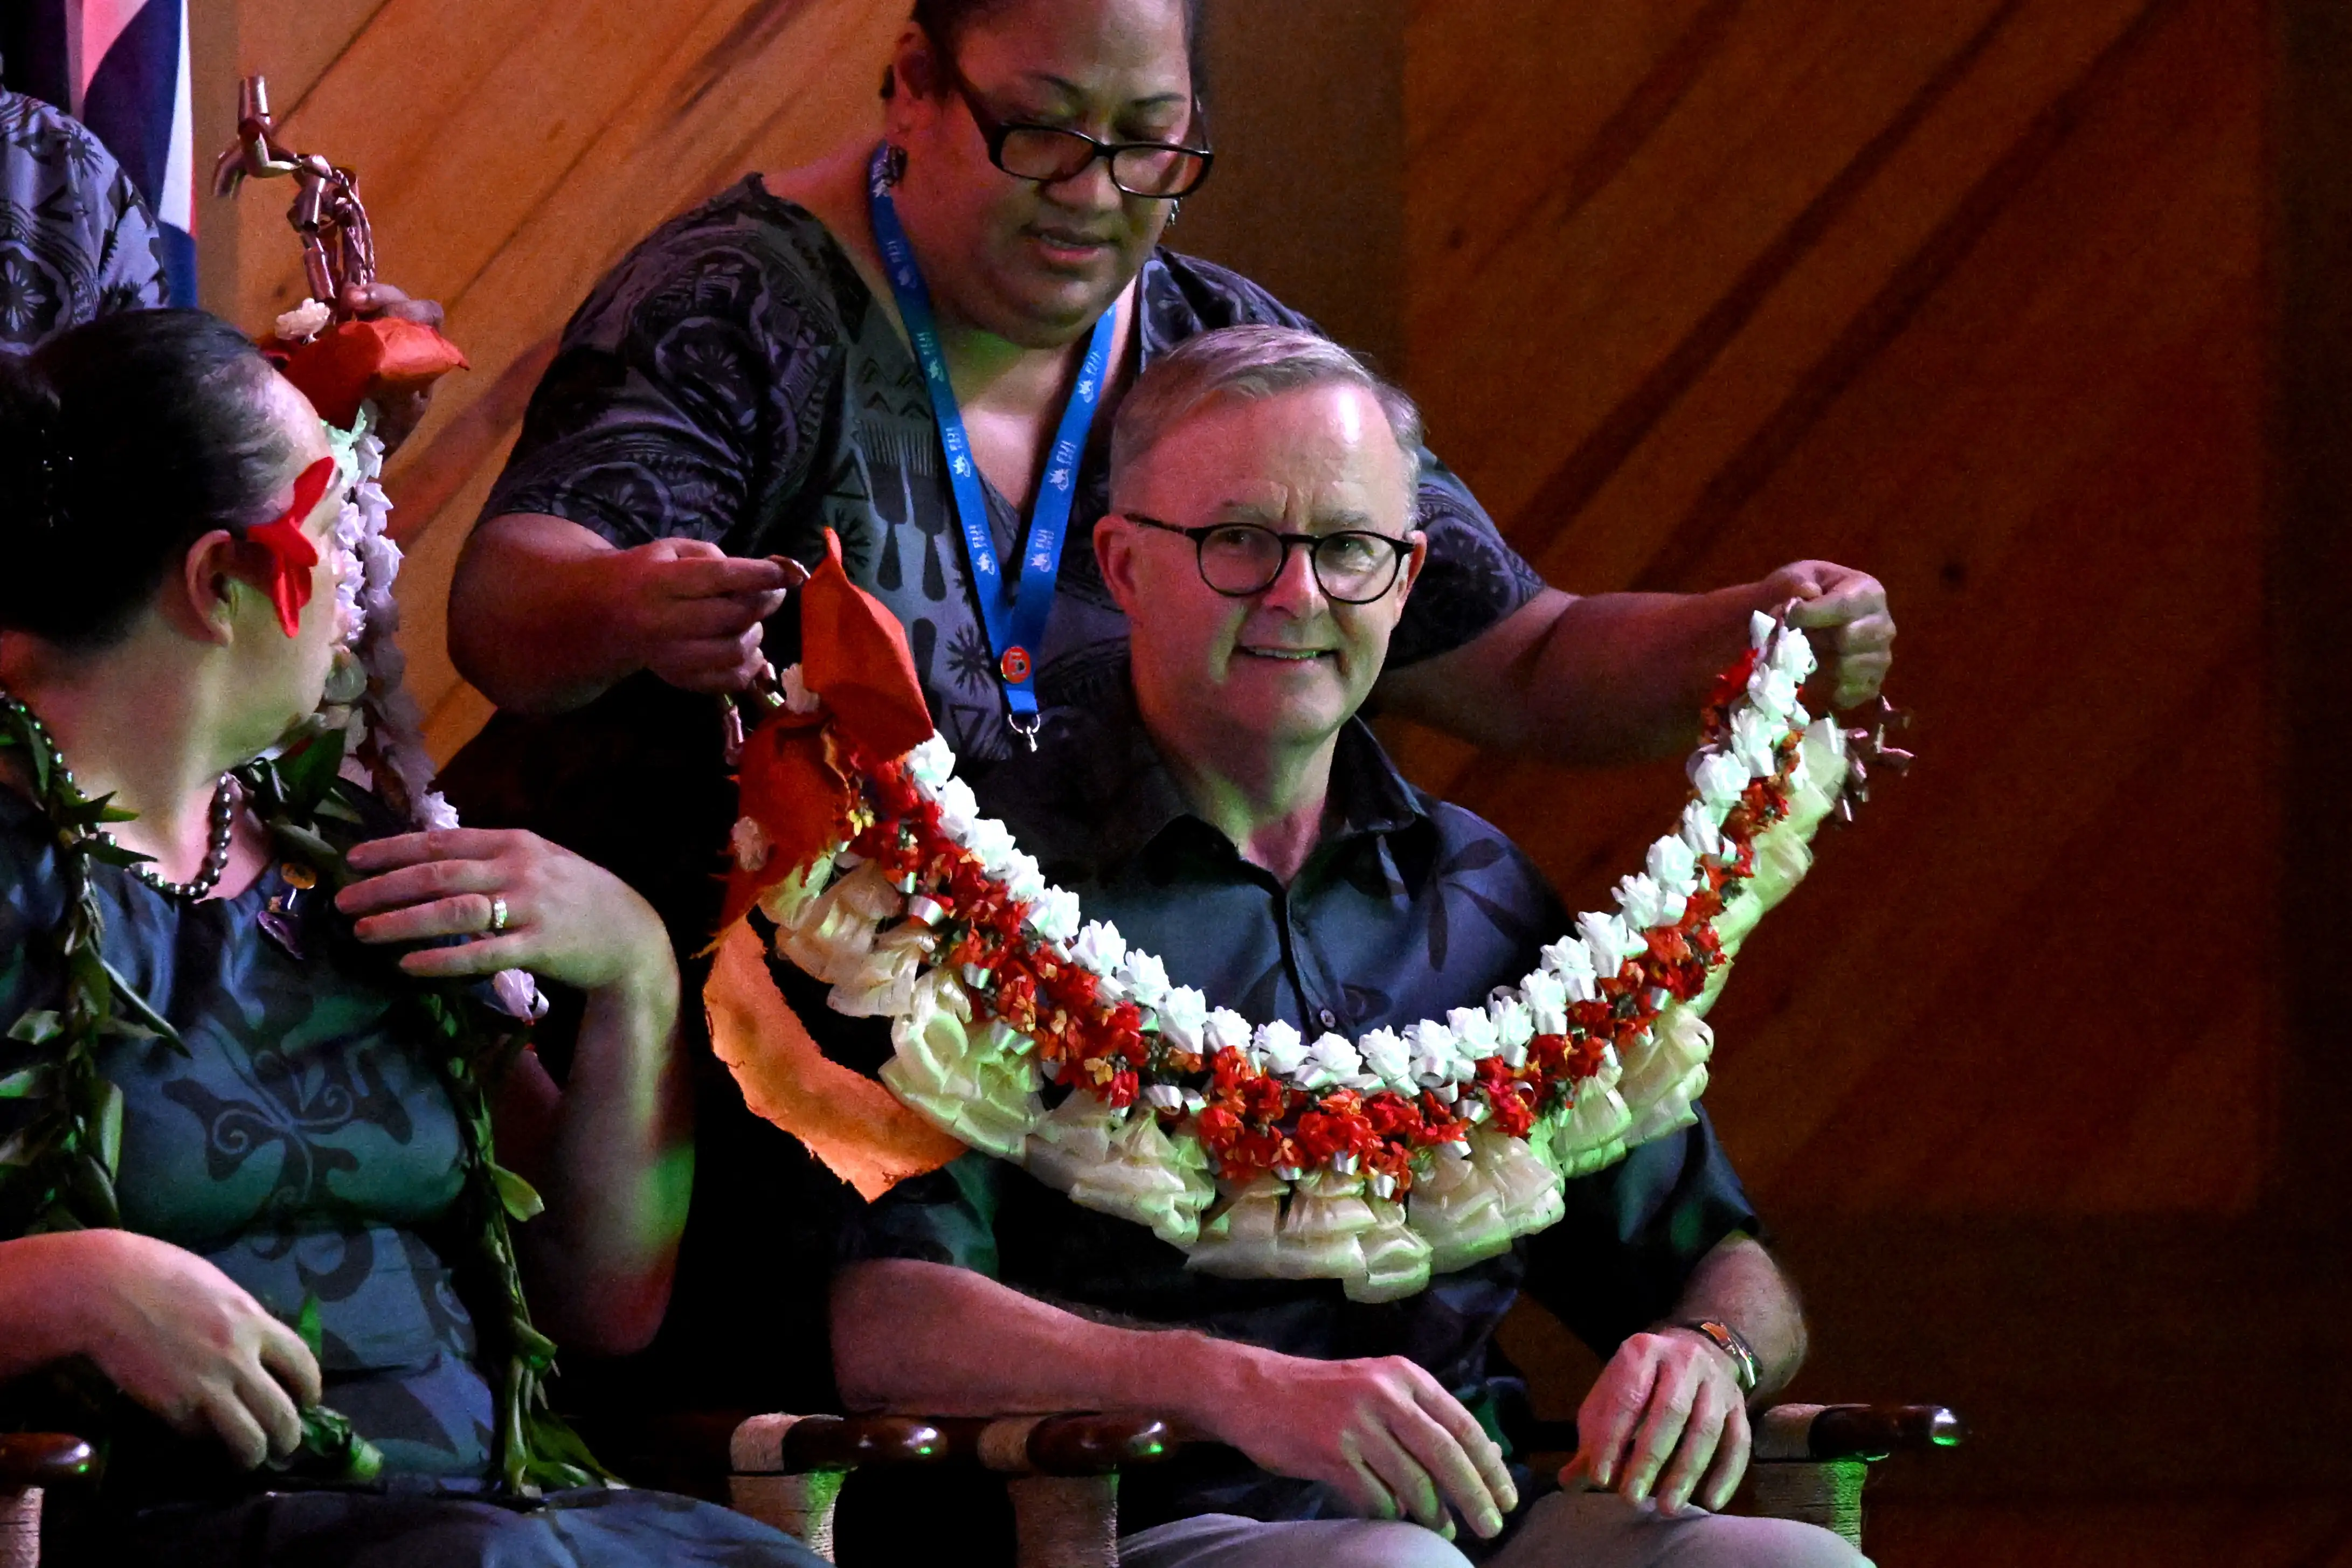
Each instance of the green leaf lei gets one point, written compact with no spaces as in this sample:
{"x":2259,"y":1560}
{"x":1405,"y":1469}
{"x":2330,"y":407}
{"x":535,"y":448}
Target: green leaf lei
{"x":57,"y":1172}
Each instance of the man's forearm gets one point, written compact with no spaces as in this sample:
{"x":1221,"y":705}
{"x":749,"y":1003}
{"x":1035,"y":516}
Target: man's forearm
{"x":1605,"y":678}
{"x":1738,"y":1284}
{"x":530,"y":621}
{"x":933,"y":1340}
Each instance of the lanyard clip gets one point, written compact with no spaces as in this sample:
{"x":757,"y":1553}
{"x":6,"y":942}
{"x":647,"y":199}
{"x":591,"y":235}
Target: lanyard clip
{"x":1025,"y":725}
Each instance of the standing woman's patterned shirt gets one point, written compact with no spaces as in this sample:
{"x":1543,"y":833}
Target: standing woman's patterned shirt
{"x":733,"y":380}
{"x":76,"y":242}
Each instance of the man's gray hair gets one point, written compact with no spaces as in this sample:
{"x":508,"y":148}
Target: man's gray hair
{"x":1251,"y":362}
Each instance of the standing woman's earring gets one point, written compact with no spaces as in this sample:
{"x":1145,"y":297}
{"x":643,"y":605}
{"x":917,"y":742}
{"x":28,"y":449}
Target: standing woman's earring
{"x":894,"y":162}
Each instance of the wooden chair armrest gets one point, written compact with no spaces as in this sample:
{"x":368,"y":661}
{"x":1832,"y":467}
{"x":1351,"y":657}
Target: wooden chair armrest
{"x":1824,"y":1432}
{"x":1086,"y":1444}
{"x":1061,"y":1471}
{"x":780,"y":1445}
{"x":41,"y":1460}
{"x":1807,"y":1432}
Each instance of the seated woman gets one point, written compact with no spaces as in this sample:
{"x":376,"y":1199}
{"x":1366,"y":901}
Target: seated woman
{"x":253,"y":1236}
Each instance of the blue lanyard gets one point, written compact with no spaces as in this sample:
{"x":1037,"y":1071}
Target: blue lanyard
{"x":1016,"y":621}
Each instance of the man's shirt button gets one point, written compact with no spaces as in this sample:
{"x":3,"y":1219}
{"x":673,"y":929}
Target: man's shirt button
{"x":1328,"y":1018}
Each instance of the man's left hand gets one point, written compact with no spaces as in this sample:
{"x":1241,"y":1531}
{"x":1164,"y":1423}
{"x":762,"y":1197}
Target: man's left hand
{"x":398,"y":416}
{"x":1845,"y":611}
{"x":1665,"y":1419}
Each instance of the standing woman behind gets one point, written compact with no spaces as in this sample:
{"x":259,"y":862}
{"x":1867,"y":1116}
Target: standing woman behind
{"x":753,"y":373}
{"x":255,"y":1220}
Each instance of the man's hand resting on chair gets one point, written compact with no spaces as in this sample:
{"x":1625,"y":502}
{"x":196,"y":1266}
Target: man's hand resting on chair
{"x":1382,"y":1433}
{"x":1666,"y":1418}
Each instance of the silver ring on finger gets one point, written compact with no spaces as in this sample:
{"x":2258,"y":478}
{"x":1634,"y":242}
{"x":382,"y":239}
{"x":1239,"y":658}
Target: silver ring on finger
{"x":498,"y":914}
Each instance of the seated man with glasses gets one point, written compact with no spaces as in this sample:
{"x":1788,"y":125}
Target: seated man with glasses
{"x":1242,"y":823}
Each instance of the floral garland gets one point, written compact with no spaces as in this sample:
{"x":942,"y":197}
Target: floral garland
{"x":1375,"y":1161}
{"x":367,"y":694}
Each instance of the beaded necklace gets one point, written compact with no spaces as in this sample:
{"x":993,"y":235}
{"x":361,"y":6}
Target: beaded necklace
{"x":223,"y":814}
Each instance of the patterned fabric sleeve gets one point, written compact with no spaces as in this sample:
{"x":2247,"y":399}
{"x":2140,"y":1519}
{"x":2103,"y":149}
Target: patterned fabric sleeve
{"x":76,"y":240}
{"x":1617,"y":1262}
{"x":131,"y":253}
{"x":687,"y":393}
{"x":1473,"y":580}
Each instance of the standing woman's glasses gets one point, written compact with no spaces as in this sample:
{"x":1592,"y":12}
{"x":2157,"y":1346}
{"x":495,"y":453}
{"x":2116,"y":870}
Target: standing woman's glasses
{"x":1050,"y":154}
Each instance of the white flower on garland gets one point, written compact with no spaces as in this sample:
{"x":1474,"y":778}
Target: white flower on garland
{"x":1098,"y":949}
{"x":1514,"y":1025}
{"x":1225,"y":1030}
{"x":1279,"y":1048}
{"x":1054,"y":915}
{"x":1184,"y":1016}
{"x":1611,"y":943}
{"x":959,"y":808}
{"x":1701,"y":831}
{"x":1645,"y":903}
{"x":1331,"y":1063}
{"x":1719,"y":776}
{"x":1755,"y":740}
{"x":1568,"y":963}
{"x":1144,"y":978}
{"x":931,"y":765}
{"x":1387,"y":1058}
{"x":1437,"y":1059}
{"x":1673,"y":866}
{"x":1547,"y":993}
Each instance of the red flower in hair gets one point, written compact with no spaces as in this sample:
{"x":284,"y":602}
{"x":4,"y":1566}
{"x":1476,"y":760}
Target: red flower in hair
{"x":290,"y":548}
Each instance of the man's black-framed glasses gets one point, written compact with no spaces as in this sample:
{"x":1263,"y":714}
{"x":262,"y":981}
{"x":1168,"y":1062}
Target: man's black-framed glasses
{"x":1050,"y":154}
{"x":1351,"y":565}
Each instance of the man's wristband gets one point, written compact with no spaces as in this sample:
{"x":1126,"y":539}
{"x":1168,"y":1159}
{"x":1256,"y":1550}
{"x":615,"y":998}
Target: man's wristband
{"x":1727,"y":1338}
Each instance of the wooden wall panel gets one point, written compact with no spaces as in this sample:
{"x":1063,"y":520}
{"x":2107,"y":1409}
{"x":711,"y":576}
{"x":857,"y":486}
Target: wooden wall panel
{"x":509,"y":154}
{"x":1969,"y":293}
{"x":1323,"y":148}
{"x":2311,"y":582}
{"x":1977,"y":295}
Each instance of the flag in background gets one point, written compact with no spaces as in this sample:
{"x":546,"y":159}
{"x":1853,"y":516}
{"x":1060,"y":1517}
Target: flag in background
{"x":121,"y":67}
